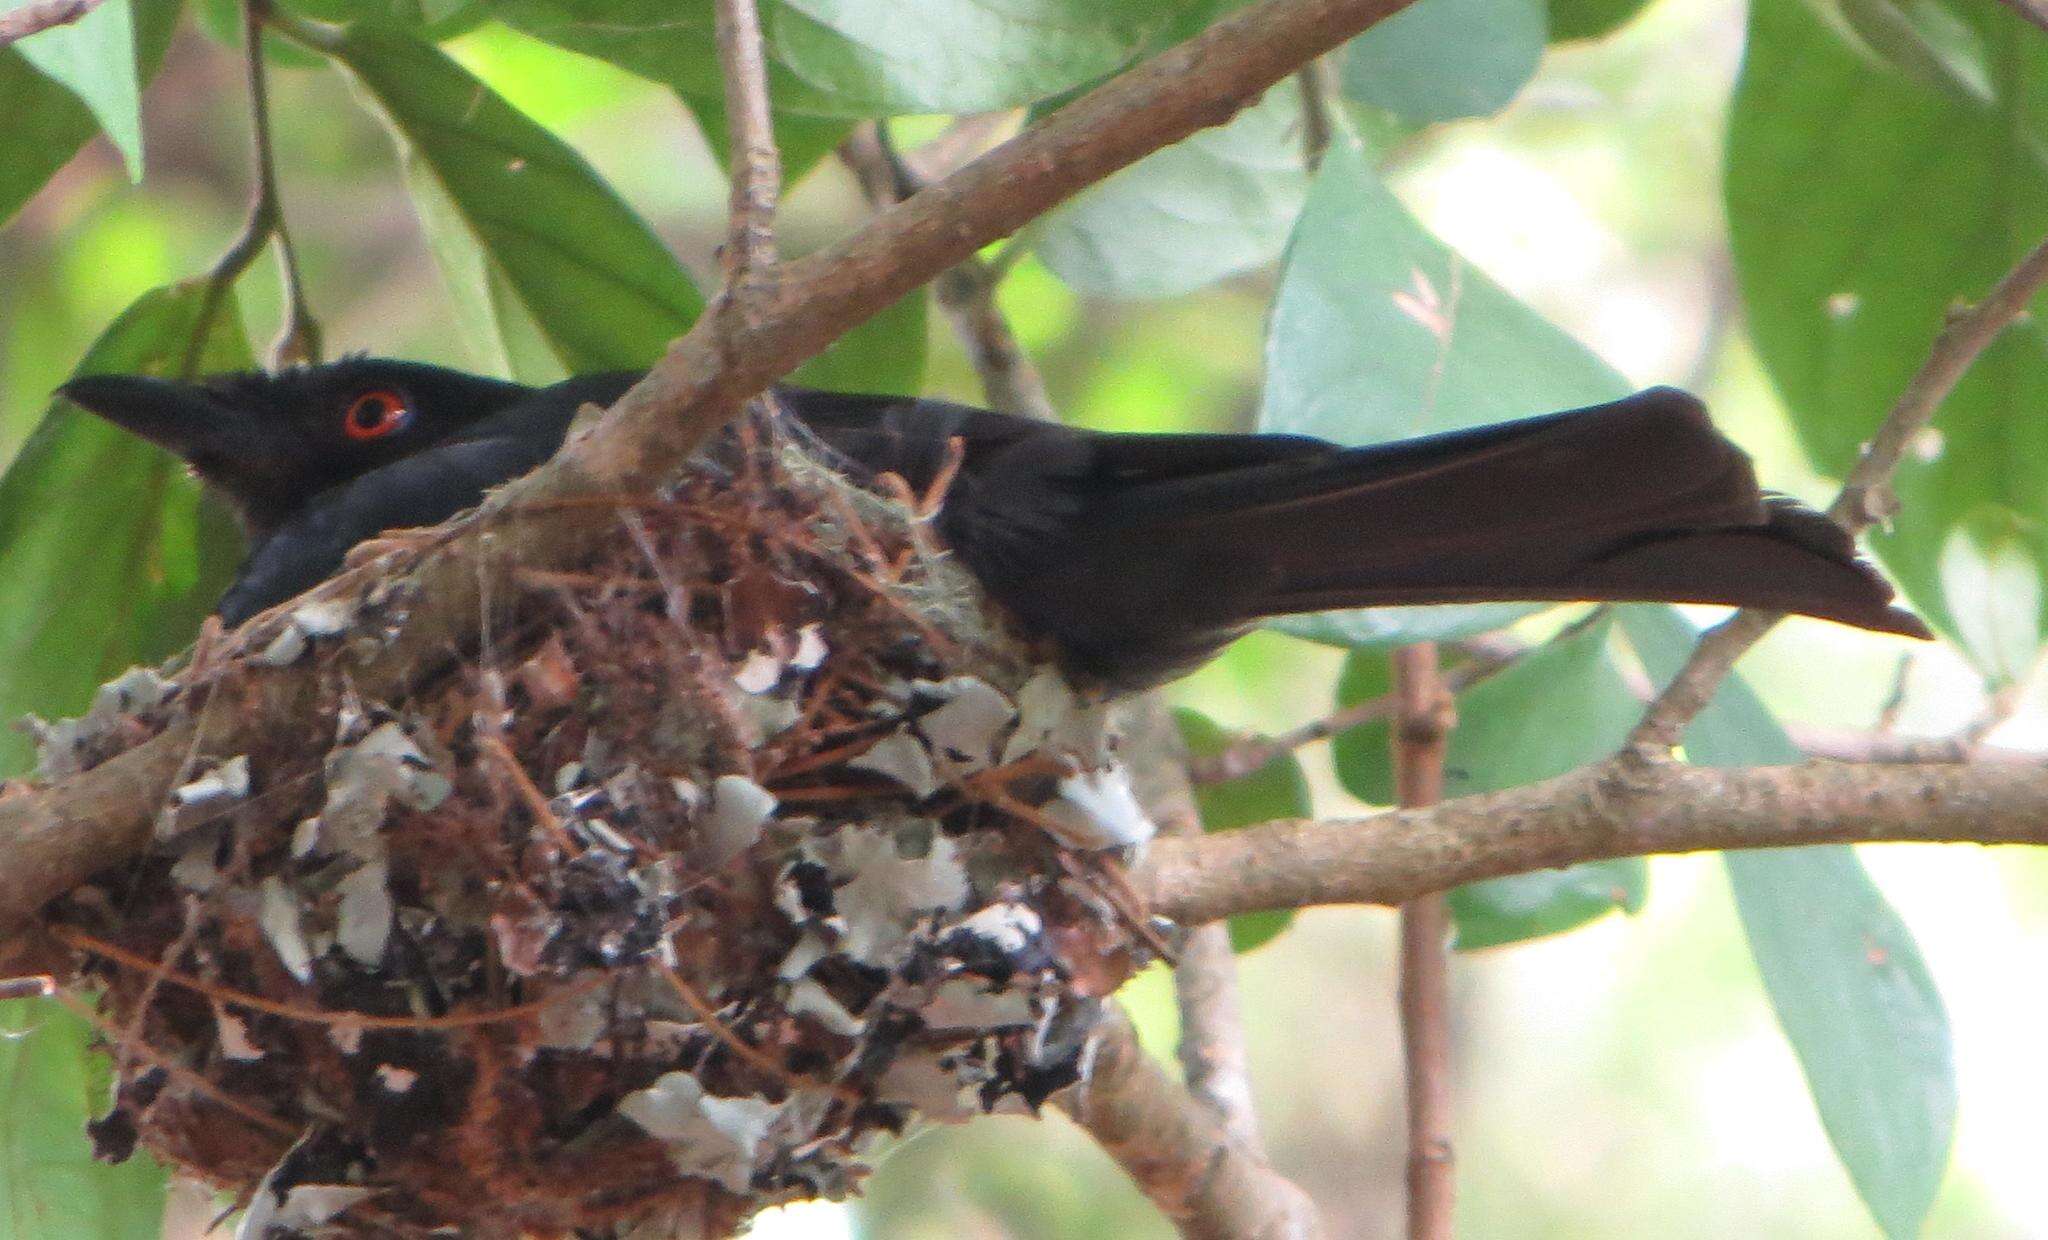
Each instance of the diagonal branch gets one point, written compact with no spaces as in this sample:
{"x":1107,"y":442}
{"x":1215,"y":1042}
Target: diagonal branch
{"x":1177,"y":1152}
{"x":54,"y":838}
{"x":966,"y":292}
{"x":2035,"y":11}
{"x":1624,"y":807}
{"x":34,"y":18}
{"x":1866,"y":497}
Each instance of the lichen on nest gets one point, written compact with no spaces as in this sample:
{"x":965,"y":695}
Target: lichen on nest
{"x":746,"y":842}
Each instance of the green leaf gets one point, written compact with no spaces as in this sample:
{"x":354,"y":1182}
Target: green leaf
{"x":95,"y":59}
{"x":1993,"y":586}
{"x":1440,"y":60}
{"x":1519,"y":907}
{"x":433,"y":20}
{"x":1842,"y":970}
{"x":1277,"y":790}
{"x":884,"y":355}
{"x":110,"y":555}
{"x":1591,"y":19}
{"x":47,"y":123}
{"x":51,"y":1188}
{"x":1850,"y":255}
{"x":602,"y":288}
{"x":1379,"y":331}
{"x":501,"y":337}
{"x":1216,"y":204}
{"x":1552,"y":711}
{"x":890,"y":57}
{"x":673,"y":42}
{"x":111,"y":558}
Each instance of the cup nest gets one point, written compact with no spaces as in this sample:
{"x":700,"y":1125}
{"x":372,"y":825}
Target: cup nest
{"x":745,"y":842}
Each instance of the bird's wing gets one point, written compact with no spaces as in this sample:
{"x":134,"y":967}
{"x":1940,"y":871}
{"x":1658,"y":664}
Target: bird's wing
{"x":418,"y":490}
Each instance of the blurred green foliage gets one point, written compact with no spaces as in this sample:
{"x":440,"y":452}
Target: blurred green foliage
{"x":553,"y":199}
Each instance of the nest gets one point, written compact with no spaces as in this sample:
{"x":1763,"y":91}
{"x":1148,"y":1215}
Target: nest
{"x":739,"y":846}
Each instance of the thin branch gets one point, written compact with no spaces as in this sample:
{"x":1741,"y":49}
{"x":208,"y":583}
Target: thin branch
{"x":19,"y":24}
{"x":1422,"y":729}
{"x":1316,"y":123}
{"x":1180,"y":1157}
{"x":56,"y":837}
{"x":1214,"y":1050}
{"x":966,"y":292}
{"x":1865,"y":499}
{"x":1252,"y":754}
{"x":1215,"y":1054}
{"x":756,"y":162}
{"x":2033,"y":10}
{"x":1624,"y":807}
{"x":299,"y":340}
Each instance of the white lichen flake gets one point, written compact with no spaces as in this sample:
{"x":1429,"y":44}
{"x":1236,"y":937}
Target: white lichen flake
{"x":718,"y":1138}
{"x":1098,"y":809}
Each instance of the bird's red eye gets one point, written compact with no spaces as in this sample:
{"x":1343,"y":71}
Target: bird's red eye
{"x":374,"y":415}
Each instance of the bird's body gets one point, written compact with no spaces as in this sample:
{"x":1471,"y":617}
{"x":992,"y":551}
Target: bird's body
{"x":1137,"y":555}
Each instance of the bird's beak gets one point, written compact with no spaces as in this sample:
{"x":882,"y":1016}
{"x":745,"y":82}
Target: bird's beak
{"x":176,"y":416}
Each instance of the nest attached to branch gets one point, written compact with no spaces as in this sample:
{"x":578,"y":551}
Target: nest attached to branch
{"x":746,"y":842}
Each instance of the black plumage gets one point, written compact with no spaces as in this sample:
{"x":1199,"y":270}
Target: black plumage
{"x":1137,"y":555}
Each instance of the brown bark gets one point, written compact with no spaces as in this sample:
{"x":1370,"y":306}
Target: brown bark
{"x":1624,"y":807}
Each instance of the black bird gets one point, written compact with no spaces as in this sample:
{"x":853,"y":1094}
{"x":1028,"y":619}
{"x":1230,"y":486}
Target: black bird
{"x":1138,"y":555}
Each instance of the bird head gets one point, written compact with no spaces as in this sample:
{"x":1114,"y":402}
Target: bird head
{"x":270,"y":442}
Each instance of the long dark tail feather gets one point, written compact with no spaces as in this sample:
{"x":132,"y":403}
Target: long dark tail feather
{"x":1140,"y":555}
{"x":1638,"y":500}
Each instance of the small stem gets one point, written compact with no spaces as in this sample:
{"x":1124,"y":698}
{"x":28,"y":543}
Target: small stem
{"x":1865,"y":498}
{"x":299,"y":340}
{"x":1176,"y":1152}
{"x":2034,"y":11}
{"x":1252,"y":754}
{"x":1316,"y":126}
{"x":966,"y":292}
{"x":1421,"y":737}
{"x":19,"y":24}
{"x":750,"y":257}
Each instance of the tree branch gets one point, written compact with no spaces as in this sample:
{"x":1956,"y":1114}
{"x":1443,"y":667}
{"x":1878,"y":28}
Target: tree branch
{"x":1176,"y":1151}
{"x":2034,"y":11}
{"x":1423,"y":719}
{"x":1626,"y":806}
{"x":1215,"y":1055}
{"x":1865,"y":498}
{"x":966,"y":292}
{"x":19,"y":24}
{"x":57,"y":837}
{"x":756,"y":161}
